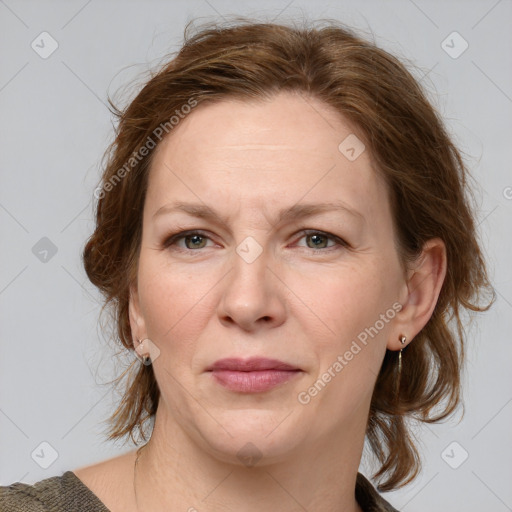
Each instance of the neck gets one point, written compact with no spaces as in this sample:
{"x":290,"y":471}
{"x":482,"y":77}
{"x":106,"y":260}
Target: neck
{"x":174,"y":473}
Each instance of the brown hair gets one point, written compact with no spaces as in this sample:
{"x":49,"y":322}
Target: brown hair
{"x":426,"y":177}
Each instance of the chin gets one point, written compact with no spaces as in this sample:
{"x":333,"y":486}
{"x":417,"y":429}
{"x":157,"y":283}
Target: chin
{"x":253,"y":437}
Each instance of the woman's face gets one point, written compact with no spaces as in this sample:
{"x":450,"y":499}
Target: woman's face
{"x":317,"y":288}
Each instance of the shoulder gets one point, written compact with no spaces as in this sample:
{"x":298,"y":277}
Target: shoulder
{"x":369,"y":499}
{"x":102,"y":487}
{"x":57,"y":493}
{"x":111,"y":481}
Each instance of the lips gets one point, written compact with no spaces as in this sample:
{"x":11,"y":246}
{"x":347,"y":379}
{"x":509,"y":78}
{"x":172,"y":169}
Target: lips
{"x":250,"y":365}
{"x":253,"y":375}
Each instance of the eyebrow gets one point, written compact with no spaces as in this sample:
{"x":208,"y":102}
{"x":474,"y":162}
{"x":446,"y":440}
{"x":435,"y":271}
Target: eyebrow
{"x":296,"y":211}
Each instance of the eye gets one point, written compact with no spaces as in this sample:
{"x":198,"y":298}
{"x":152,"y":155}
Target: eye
{"x":193,"y":240}
{"x":318,"y":240}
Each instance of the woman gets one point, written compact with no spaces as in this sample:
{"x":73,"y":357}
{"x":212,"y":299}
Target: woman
{"x":283,"y":231}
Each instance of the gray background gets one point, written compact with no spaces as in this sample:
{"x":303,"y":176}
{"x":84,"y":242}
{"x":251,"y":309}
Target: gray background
{"x":54,"y":124}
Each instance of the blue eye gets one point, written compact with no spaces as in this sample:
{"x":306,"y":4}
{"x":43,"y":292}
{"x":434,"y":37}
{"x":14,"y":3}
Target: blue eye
{"x":319,"y":239}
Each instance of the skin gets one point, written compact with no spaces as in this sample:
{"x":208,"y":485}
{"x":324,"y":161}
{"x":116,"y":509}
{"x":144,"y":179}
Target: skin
{"x":300,"y":302}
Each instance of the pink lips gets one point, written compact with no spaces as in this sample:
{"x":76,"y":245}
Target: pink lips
{"x":251,"y":375}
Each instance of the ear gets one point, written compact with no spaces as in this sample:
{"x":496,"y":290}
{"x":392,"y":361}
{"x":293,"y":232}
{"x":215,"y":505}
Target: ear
{"x":421,"y":291}
{"x":137,"y":322}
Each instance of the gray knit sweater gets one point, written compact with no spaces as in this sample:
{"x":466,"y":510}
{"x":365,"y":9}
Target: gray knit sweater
{"x":67,"y":493}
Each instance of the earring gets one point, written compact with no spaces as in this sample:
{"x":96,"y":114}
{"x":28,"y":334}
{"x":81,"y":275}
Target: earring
{"x":403,"y":340}
{"x":146,"y":360}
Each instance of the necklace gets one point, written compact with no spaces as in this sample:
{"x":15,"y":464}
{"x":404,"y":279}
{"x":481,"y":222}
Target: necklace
{"x":134,"y":476}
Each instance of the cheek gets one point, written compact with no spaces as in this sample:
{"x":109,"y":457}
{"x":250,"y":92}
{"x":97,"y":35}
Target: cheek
{"x":351,"y":300}
{"x":170,"y":303}
{"x":357,"y":307}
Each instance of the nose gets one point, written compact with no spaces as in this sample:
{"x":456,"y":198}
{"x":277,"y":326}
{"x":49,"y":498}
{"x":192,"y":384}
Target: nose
{"x":253,"y":296}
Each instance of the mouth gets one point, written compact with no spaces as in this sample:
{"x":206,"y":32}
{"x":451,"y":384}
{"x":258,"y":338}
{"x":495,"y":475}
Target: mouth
{"x":253,"y":375}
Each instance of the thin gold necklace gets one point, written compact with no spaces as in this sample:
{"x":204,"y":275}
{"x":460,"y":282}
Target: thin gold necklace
{"x":134,"y":475}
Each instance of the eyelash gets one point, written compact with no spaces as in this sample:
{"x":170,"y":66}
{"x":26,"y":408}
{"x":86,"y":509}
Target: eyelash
{"x":171,"y":240}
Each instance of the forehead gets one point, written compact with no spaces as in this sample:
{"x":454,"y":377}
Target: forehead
{"x":289,"y":121}
{"x":266,"y":151}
